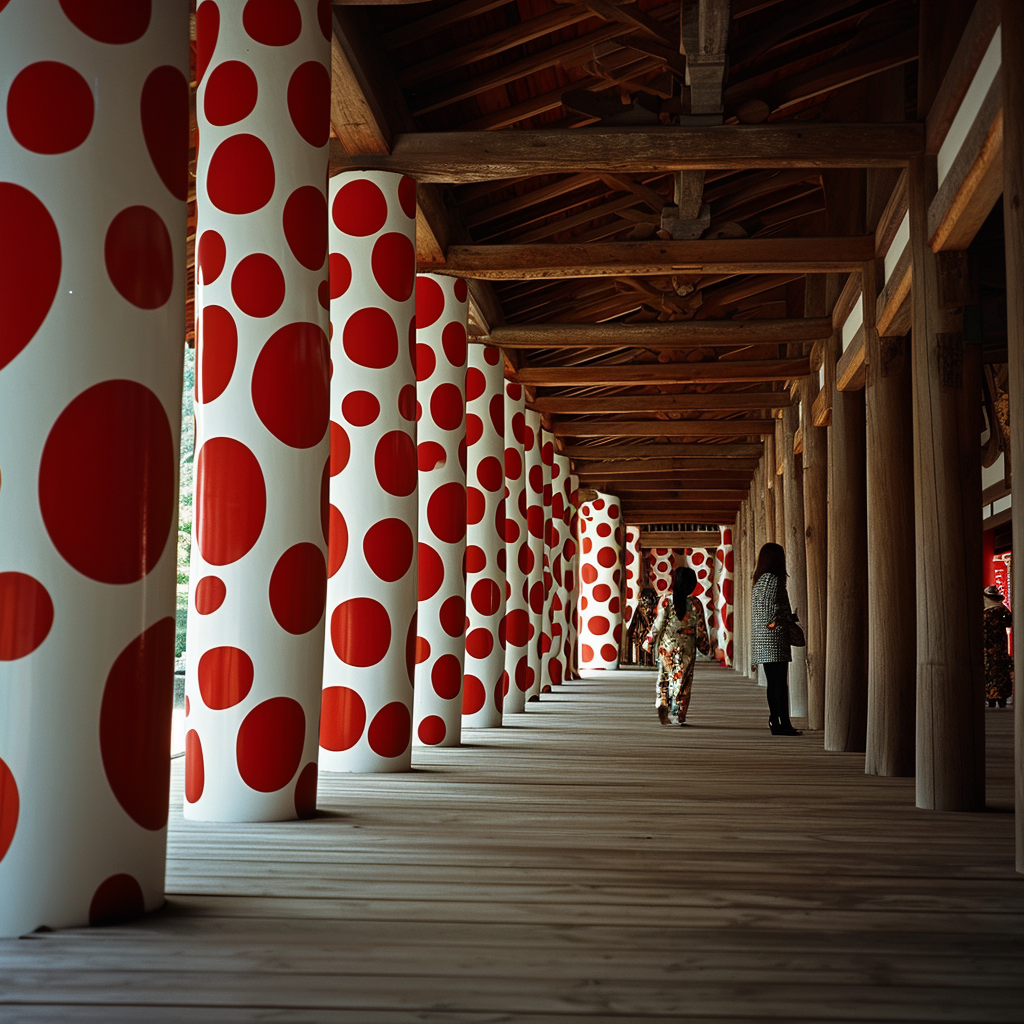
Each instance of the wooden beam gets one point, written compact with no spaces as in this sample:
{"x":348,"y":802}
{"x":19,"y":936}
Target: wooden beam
{"x":663,"y":428}
{"x":733,"y":370}
{"x":482,"y":155}
{"x":716,"y":400}
{"x":645,"y":467}
{"x":895,"y":309}
{"x":593,"y":453}
{"x":850,"y":370}
{"x":686,"y":515}
{"x":652,"y":259}
{"x":680,"y":539}
{"x":684,"y":334}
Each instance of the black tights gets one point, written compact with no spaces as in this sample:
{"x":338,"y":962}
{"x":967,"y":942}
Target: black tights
{"x":777,"y":674}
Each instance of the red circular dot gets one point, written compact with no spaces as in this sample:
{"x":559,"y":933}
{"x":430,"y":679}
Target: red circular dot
{"x":429,"y":300}
{"x":309,"y":104}
{"x":407,"y":195}
{"x":602,"y":592}
{"x":257,"y":285}
{"x":340,"y":448}
{"x":195,"y":768}
{"x":430,"y":572}
{"x":518,"y":628}
{"x":476,"y":506}
{"x":359,"y":208}
{"x":305,"y":791}
{"x":210,"y":256}
{"x":371,"y":338}
{"x":475,"y":558}
{"x":422,"y":650}
{"x":474,"y":428}
{"x":391,"y":730}
{"x":426,"y":362}
{"x":360,"y":408}
{"x":109,"y":21}
{"x":342,"y":718}
{"x":486,"y":596}
{"x":491,"y":355}
{"x":476,"y":384}
{"x":240,"y":175}
{"x":588,"y":573}
{"x":388,"y":547}
{"x":207,"y":30}
{"x":525,"y":560}
{"x":446,"y":512}
{"x":432,"y":730}
{"x":26,"y":615}
{"x":41,"y":97}
{"x":337,"y":547}
{"x":446,"y":677}
{"x":124,"y":535}
{"x":138,"y":256}
{"x":453,"y":616}
{"x":218,"y":349}
{"x":230,"y":93}
{"x":598,"y":624}
{"x":210,"y":594}
{"x":305,"y":225}
{"x":118,"y":898}
{"x":394,"y":461}
{"x":607,"y":557}
{"x":272,"y":22}
{"x":524,"y":674}
{"x":410,"y":649}
{"x":164,"y":112}
{"x":490,"y":473}
{"x":340,"y":271}
{"x":360,"y":631}
{"x":479,"y":643}
{"x":430,"y":455}
{"x":513,"y":463}
{"x":290,"y":385}
{"x":225,"y":677}
{"x":604,"y":530}
{"x":474,"y":696}
{"x":269,"y":745}
{"x":231,"y":500}
{"x":446,"y":406}
{"x":609,"y":653}
{"x":453,"y":340}
{"x":393,"y":262}
{"x":298,"y":588}
{"x":135,"y":721}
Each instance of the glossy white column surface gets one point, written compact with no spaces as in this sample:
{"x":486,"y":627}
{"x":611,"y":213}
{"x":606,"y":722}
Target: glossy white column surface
{"x":600,"y":627}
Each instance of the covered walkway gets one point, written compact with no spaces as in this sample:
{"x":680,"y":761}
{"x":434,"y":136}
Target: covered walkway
{"x":580,"y":863}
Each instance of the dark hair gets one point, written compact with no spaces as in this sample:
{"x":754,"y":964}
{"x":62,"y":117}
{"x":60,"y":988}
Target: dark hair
{"x":649,"y":594}
{"x":684,"y":582}
{"x":771,"y":558}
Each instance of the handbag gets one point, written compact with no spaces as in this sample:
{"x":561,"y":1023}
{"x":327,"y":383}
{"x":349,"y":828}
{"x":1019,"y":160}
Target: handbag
{"x":794,"y":631}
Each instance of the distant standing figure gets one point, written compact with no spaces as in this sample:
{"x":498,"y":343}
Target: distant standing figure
{"x":638,"y":628}
{"x":769,"y":641}
{"x":998,"y":663}
{"x":678,"y":633}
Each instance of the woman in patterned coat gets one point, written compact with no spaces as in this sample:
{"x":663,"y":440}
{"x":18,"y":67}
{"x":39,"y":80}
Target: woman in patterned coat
{"x":998,"y":663}
{"x":678,"y":633}
{"x":769,"y":641}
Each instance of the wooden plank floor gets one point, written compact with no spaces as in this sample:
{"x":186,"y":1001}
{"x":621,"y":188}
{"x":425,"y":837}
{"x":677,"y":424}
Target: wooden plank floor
{"x":583,"y":864}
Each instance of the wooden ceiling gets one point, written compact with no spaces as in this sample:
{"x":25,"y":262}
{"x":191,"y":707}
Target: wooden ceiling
{"x":637,"y":192}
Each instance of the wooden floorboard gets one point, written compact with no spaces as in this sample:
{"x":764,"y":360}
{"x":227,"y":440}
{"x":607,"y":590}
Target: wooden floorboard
{"x":583,"y":864}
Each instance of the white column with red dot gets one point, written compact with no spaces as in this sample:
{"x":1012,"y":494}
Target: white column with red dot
{"x":700,"y":562}
{"x":370,"y":648}
{"x":518,"y":557}
{"x":633,"y":561}
{"x":724,"y":569}
{"x":93,"y":183}
{"x":258,"y":570}
{"x":441,"y":315}
{"x":661,"y":566}
{"x":571,"y":563}
{"x":558,"y":530}
{"x":600,"y":574}
{"x":483,"y":685}
{"x":535,"y":533}
{"x":547,"y":455}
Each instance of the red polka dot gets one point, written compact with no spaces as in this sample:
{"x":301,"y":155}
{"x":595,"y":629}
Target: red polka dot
{"x":476,"y":506}
{"x":479,"y":643}
{"x":446,"y":677}
{"x":474,"y":428}
{"x":588,"y":573}
{"x":446,"y":406}
{"x":42,"y":97}
{"x":422,"y":650}
{"x":195,"y":768}
{"x":210,"y":594}
{"x":272,"y":22}
{"x":430,"y":572}
{"x":513,"y":464}
{"x":305,"y":225}
{"x":360,"y":631}
{"x":391,"y":730}
{"x":225,"y":677}
{"x":305,"y":792}
{"x":512,"y":531}
{"x":525,"y":560}
{"x":486,"y":596}
{"x":135,"y":725}
{"x":30,"y":266}
{"x":359,"y":208}
{"x":269,"y":745}
{"x":207,"y":30}
{"x":429,"y":296}
{"x":609,"y":653}
{"x":337,"y":547}
{"x":394,"y":461}
{"x":407,"y":196}
{"x":109,"y":21}
{"x":290,"y":385}
{"x":602,"y":592}
{"x":490,"y":473}
{"x":108,"y":440}
{"x":410,"y":649}
{"x":26,"y":615}
{"x":309,"y":104}
{"x":446,"y":512}
{"x":473,"y":695}
{"x":218,"y":349}
{"x":231,"y":500}
{"x":453,"y":616}
{"x":586,"y":652}
{"x":496,"y":407}
{"x":340,"y":271}
{"x":432,"y":730}
{"x":524,"y":674}
{"x":598,"y":624}
{"x":360,"y":408}
{"x":138,"y":256}
{"x":257,"y":285}
{"x":9,"y":807}
{"x":475,"y":559}
{"x":607,"y":557}
{"x":453,"y":339}
{"x":604,"y":530}
{"x":587,"y":545}
{"x":298,"y":588}
{"x":518,"y":628}
{"x":476,"y":384}
{"x":240,"y":176}
{"x":342,"y":718}
{"x":164,"y":111}
{"x":340,"y":448}
{"x":388,"y":547}
{"x":210,"y":256}
{"x":230,"y":93}
{"x":430,"y":455}
{"x":393,"y":262}
{"x":118,"y":898}
{"x":371,"y":338}
{"x":426,"y":362}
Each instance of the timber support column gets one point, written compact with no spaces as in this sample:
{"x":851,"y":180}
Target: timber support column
{"x":1013,"y":219}
{"x":258,"y":573}
{"x":947,"y":489}
{"x":793,"y":495}
{"x":93,"y":183}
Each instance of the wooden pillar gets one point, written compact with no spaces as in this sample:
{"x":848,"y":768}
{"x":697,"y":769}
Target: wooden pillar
{"x":947,"y":486}
{"x":1013,"y":219}
{"x":768,"y":489}
{"x":741,"y":644}
{"x":778,"y":484}
{"x":815,"y":460}
{"x":755,"y":540}
{"x":795,"y":553}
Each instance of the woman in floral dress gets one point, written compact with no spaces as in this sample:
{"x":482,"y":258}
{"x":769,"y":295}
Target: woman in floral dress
{"x":678,"y":633}
{"x":998,"y":663}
